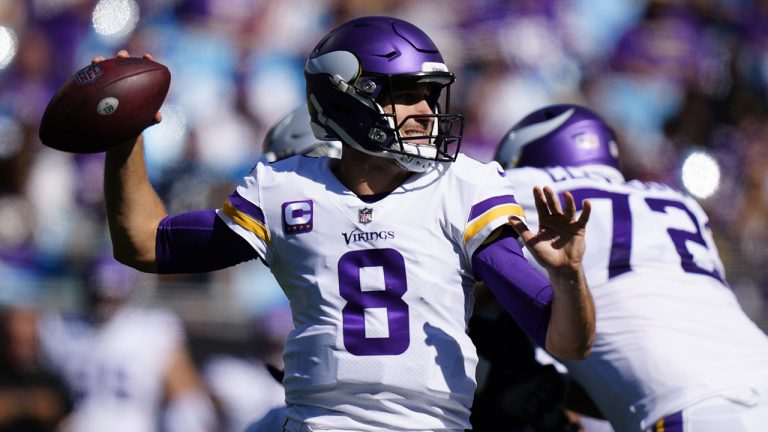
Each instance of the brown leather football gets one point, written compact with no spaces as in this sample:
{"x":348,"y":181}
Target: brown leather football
{"x":105,"y":104}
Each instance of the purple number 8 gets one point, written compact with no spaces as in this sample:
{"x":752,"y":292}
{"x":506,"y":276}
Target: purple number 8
{"x":389,"y":297}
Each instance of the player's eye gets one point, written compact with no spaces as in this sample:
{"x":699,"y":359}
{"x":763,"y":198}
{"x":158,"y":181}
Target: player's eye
{"x":409,"y":94}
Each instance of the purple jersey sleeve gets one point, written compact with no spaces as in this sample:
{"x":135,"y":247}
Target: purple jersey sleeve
{"x":522,"y":290}
{"x":197,"y":242}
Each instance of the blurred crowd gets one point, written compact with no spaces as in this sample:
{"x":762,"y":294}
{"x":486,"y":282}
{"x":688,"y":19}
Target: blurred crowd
{"x":673,"y":76}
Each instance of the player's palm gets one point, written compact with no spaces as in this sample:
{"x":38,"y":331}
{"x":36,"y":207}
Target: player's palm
{"x":559,"y":244}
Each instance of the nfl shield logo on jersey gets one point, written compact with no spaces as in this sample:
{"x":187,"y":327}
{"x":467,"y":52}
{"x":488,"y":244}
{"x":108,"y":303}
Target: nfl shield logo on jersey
{"x":365,"y":215}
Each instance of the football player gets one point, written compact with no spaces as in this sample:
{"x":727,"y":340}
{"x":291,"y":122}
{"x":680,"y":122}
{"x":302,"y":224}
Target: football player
{"x":674,"y":351}
{"x":377,"y":251}
{"x":512,"y":367}
{"x":127,"y":367}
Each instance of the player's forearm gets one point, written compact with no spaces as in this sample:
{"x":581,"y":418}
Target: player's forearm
{"x":524,"y":293}
{"x":134,"y":209}
{"x":571,"y":330}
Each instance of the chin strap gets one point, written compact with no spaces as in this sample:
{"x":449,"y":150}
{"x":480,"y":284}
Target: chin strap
{"x":412,"y":162}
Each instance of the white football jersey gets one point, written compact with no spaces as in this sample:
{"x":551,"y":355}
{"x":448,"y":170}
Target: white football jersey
{"x":670,"y":331}
{"x":244,"y":388}
{"x":116,"y":370}
{"x":381,"y":292}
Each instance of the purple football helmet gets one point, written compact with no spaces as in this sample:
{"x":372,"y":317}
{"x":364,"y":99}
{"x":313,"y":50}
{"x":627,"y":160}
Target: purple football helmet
{"x":351,"y":75}
{"x":107,"y":277}
{"x":109,"y":284}
{"x":569,"y":135}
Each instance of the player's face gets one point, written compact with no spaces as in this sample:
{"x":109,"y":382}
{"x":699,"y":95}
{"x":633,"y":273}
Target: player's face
{"x":411,"y":100}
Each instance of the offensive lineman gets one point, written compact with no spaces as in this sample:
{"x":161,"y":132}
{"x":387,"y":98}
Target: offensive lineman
{"x":674,"y":351}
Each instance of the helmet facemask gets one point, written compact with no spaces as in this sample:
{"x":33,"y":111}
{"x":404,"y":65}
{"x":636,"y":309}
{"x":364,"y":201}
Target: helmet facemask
{"x":417,"y":141}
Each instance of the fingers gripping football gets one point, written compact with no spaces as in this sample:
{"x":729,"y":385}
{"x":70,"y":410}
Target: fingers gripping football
{"x":106,"y":103}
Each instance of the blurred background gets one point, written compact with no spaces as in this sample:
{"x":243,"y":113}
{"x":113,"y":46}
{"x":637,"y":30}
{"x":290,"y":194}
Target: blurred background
{"x":684,"y":83}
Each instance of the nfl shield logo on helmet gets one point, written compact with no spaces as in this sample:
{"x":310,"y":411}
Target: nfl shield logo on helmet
{"x":587,"y":141}
{"x":365,"y":215}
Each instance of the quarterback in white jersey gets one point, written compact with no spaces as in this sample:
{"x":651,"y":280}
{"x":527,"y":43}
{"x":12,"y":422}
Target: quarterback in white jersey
{"x":376,"y":309}
{"x":125,"y":366}
{"x":671,"y":335}
{"x":378,"y":250}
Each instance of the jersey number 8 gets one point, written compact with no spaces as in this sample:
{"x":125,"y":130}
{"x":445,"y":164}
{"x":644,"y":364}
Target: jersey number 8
{"x":360,"y":296}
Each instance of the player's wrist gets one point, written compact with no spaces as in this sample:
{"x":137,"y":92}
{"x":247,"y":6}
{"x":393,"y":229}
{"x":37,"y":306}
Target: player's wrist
{"x":126,"y":145}
{"x":570,"y":276}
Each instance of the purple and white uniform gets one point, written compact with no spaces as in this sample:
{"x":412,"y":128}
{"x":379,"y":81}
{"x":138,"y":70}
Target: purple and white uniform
{"x":670,"y":332}
{"x":116,"y":370}
{"x":381,"y":291}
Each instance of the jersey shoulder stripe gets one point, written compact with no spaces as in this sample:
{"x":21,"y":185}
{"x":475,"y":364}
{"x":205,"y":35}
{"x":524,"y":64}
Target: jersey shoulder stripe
{"x":247,"y":215}
{"x":489,"y":210}
{"x":487,"y":204}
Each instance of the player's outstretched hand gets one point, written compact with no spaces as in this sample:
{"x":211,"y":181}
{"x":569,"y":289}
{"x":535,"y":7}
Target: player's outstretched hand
{"x":559,"y":244}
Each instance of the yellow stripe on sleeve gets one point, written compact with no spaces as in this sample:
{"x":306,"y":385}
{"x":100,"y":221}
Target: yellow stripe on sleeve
{"x":660,"y":425}
{"x":479,"y":223}
{"x":247,"y":222}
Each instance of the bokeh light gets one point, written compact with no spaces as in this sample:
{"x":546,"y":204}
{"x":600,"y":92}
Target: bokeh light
{"x":115,"y":18}
{"x":701,"y":175}
{"x":9,"y":45}
{"x":165,"y":142}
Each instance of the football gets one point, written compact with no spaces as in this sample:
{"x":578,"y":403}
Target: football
{"x":105,"y":104}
